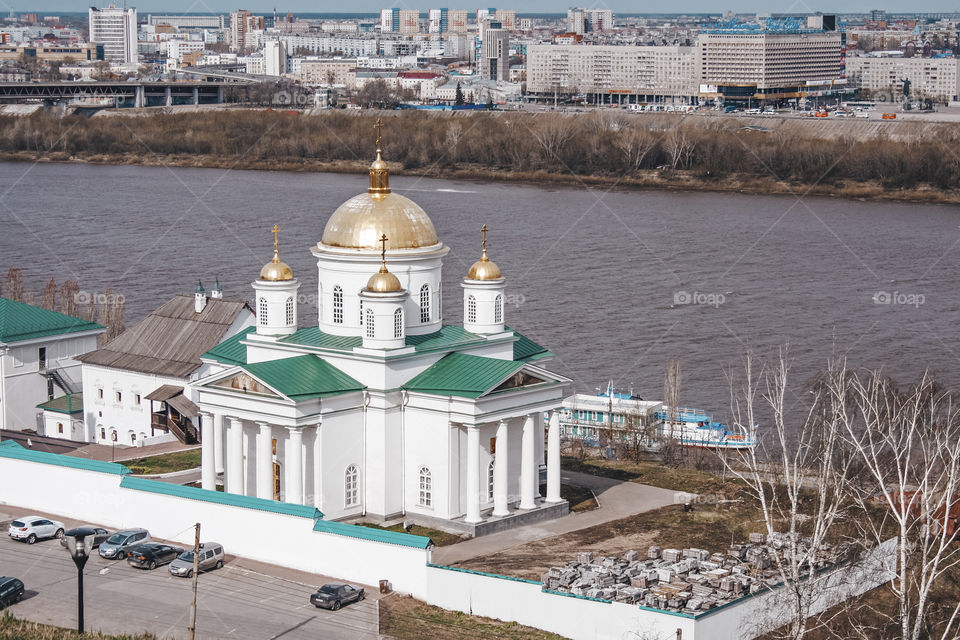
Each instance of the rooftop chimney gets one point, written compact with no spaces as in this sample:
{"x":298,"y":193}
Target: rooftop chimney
{"x":199,"y":298}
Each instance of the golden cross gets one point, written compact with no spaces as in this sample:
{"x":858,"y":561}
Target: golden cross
{"x":383,"y":249}
{"x":378,"y":126}
{"x":276,"y":238}
{"x":483,"y":230}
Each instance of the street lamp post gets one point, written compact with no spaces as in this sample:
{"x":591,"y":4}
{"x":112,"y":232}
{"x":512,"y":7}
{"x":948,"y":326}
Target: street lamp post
{"x":79,"y":543}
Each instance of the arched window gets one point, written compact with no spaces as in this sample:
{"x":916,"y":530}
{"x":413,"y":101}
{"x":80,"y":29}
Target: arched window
{"x":425,"y":303}
{"x":361,"y":312}
{"x":471,"y":309}
{"x":337,"y":305}
{"x":351,"y":486}
{"x":426,"y":488}
{"x":498,"y":309}
{"x":291,"y":317}
{"x":262,"y":311}
{"x":371,"y":333}
{"x":490,"y":481}
{"x":398,"y":323}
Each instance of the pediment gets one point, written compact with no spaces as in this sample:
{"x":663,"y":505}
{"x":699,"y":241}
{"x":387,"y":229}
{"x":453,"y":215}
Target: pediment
{"x":519,"y":379}
{"x":245,"y":383}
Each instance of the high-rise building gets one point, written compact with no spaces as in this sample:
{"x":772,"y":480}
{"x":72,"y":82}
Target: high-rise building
{"x":506,"y":17}
{"x":242,"y":23}
{"x":496,"y":53}
{"x":457,"y":19}
{"x":404,"y":21}
{"x":116,"y":30}
{"x":581,"y":21}
{"x":274,"y":58}
{"x":438,"y":20}
{"x":781,"y":59}
{"x":878,"y":15}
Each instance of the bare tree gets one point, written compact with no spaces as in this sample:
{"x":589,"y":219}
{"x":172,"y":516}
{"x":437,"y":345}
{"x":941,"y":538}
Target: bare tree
{"x":635,"y":145}
{"x":799,"y":481}
{"x":909,"y":443}
{"x":679,"y":145}
{"x":14,"y":286}
{"x":49,"y":296}
{"x":671,"y":395}
{"x":553,"y":134}
{"x":68,"y":297}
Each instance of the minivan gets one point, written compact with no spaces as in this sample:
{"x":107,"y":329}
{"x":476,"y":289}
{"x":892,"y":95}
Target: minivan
{"x":211,"y":557}
{"x":117,"y":545}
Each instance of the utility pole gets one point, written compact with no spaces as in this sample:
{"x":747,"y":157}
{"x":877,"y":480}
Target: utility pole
{"x":192,"y":629}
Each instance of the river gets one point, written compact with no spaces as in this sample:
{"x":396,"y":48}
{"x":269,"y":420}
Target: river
{"x":615,"y":283}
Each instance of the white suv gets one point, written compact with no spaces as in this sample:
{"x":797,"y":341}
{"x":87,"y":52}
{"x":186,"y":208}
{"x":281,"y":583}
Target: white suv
{"x":33,"y":528}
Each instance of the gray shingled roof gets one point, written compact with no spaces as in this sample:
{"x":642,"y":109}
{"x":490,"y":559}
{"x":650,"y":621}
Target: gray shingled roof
{"x":170,"y":340}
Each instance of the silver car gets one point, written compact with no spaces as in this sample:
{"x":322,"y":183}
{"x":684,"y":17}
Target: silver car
{"x":211,"y":557}
{"x":117,"y":545}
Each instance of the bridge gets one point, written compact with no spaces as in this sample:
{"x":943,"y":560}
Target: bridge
{"x":129,"y":94}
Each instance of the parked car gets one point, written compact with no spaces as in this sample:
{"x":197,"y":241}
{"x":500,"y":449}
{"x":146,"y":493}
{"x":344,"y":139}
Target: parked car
{"x":152,"y":554}
{"x":11,"y":590}
{"x":117,"y":545}
{"x":211,"y":557}
{"x":335,"y":595}
{"x":33,"y":528}
{"x":99,"y":537}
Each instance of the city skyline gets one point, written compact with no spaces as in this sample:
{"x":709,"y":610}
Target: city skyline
{"x":527,"y":6}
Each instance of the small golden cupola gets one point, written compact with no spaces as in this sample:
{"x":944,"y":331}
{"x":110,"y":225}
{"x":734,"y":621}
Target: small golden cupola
{"x":379,"y":174}
{"x":484,"y":268}
{"x":383,"y":281}
{"x":276,"y":270}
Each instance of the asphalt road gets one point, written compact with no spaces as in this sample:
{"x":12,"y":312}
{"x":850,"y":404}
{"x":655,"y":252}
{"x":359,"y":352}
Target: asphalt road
{"x":233,"y":602}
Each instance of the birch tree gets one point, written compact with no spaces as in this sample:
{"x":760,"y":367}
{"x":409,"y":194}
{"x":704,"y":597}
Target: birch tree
{"x":909,"y":443}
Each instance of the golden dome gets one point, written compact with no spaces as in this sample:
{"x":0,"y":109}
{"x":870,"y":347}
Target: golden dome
{"x":484,"y":268}
{"x":360,"y":221}
{"x":383,"y":281}
{"x":276,"y":270}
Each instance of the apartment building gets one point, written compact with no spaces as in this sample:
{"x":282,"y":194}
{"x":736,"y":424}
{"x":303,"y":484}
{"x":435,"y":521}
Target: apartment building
{"x":506,"y":17}
{"x":884,"y":77}
{"x":447,"y":20}
{"x":243,"y":24}
{"x":613,"y":74}
{"x":336,"y":71}
{"x":116,"y":29}
{"x":496,"y":54}
{"x":581,"y":21}
{"x":739,"y":63}
{"x":189,"y":22}
{"x":403,"y":21}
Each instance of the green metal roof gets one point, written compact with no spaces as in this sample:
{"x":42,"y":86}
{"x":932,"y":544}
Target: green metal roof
{"x":314,"y":337}
{"x":447,"y":336}
{"x":369,"y":533}
{"x":231,"y":351}
{"x":220,"y":497}
{"x":11,"y":449}
{"x":459,"y":374}
{"x":526,"y":349}
{"x":303,"y":377}
{"x":70,"y":403}
{"x":19,"y":321}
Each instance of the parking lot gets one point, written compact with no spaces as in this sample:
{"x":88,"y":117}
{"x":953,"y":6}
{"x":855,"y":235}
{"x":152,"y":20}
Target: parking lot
{"x":242,"y":600}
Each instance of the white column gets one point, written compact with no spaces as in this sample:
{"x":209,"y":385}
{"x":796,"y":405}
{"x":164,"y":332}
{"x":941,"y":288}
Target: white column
{"x":500,"y":476}
{"x":218,"y":443}
{"x":528,"y":466}
{"x":294,"y":460}
{"x":265,"y":462}
{"x":318,"y":468}
{"x":473,"y":475}
{"x":234,"y":458}
{"x":208,"y":473}
{"x":553,"y":459}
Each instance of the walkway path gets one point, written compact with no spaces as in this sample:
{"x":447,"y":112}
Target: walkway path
{"x":119,"y":453}
{"x":617,"y":500}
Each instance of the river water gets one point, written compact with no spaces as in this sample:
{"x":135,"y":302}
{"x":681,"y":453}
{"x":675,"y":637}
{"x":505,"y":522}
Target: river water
{"x":614,"y":282}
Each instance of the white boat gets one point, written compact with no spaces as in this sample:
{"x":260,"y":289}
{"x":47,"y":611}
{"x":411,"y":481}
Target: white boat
{"x":627,"y":418}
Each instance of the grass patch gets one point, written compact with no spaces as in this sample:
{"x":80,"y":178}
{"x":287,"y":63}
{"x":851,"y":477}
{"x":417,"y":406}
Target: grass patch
{"x":165,"y":463}
{"x":439,"y":538}
{"x":404,"y":618}
{"x":12,"y":628}
{"x":653,"y":474}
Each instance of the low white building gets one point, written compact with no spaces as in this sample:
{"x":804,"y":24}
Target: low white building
{"x":38,"y":359}
{"x":136,"y":386}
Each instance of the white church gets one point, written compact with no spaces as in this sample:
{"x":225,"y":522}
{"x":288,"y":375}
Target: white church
{"x":382,"y":411}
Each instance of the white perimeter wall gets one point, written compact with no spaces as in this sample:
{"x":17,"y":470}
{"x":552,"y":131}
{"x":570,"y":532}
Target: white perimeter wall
{"x":290,"y":541}
{"x":279,"y":539}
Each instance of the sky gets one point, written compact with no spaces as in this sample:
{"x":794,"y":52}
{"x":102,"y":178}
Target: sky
{"x":521,"y":6}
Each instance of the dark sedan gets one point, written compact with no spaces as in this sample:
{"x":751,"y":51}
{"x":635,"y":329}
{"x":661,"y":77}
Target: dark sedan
{"x":11,"y":590}
{"x":335,"y":595}
{"x":151,"y":555}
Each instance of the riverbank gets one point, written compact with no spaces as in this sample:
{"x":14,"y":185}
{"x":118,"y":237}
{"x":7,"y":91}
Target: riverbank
{"x":598,"y":150}
{"x":644,"y":180}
